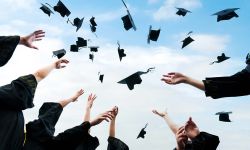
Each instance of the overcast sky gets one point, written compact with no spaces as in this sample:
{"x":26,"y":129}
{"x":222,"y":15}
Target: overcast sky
{"x":21,"y":17}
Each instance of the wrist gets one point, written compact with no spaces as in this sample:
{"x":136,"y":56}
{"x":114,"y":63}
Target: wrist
{"x":21,"y":41}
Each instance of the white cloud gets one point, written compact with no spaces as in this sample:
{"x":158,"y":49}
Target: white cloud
{"x":167,"y":10}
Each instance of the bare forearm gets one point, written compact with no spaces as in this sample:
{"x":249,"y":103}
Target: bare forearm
{"x":87,"y":114}
{"x":174,"y":127}
{"x":65,"y":102}
{"x":196,"y":83}
{"x":112,"y":128}
{"x":43,"y":72}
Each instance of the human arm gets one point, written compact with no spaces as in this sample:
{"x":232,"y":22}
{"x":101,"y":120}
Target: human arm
{"x":173,"y":78}
{"x":112,"y":123}
{"x":74,"y":98}
{"x":43,"y":72}
{"x":181,"y":139}
{"x":174,"y":127}
{"x":29,"y":39}
{"x":101,"y":117}
{"x":90,"y":101}
{"x":191,"y":129}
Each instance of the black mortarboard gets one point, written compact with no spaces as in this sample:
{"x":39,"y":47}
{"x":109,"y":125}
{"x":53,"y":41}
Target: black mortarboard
{"x":153,"y":34}
{"x":91,"y":56}
{"x":134,"y":79}
{"x":92,"y":24}
{"x":74,"y":48}
{"x":101,"y":76}
{"x":224,"y":116}
{"x":94,"y":48}
{"x":128,"y":22}
{"x":81,"y":42}
{"x":46,"y":10}
{"x":187,"y":41}
{"x":78,"y":23}
{"x":248,"y":59}
{"x":59,"y":53}
{"x":120,"y":52}
{"x":220,"y":59}
{"x":226,"y":14}
{"x":142,"y":132}
{"x":62,"y":9}
{"x":182,"y":11}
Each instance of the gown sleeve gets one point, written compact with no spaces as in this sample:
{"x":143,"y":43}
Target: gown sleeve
{"x":8,"y":45}
{"x":116,"y":144}
{"x":19,"y":94}
{"x":231,"y":86}
{"x":43,"y":129}
{"x":205,"y":141}
{"x":71,"y":138}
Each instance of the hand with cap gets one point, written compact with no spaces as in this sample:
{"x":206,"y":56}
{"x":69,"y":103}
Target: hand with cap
{"x":29,"y":39}
{"x":181,"y":138}
{"x":191,"y":129}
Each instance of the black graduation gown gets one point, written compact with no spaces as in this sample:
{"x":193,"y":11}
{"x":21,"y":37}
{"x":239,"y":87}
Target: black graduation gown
{"x":231,"y":86}
{"x":204,"y":141}
{"x":40,"y":132}
{"x":89,"y":143}
{"x":7,"y":47}
{"x":116,"y":144}
{"x":15,"y":97}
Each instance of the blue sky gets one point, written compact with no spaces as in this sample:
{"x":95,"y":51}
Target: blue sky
{"x":211,"y":39}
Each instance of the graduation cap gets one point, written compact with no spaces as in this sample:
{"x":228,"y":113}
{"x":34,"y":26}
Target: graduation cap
{"x":187,"y":40}
{"x":59,"y":53}
{"x":120,"y":52}
{"x":182,"y":11}
{"x":92,"y":24}
{"x":91,"y":56}
{"x":226,"y":14}
{"x":134,"y":79}
{"x":100,"y":77}
{"x":142,"y":132}
{"x":128,"y":22}
{"x":94,"y":48}
{"x":81,"y":42}
{"x":248,"y":59}
{"x":73,"y":48}
{"x":76,"y":22}
{"x":62,"y":9}
{"x":224,"y":116}
{"x":220,"y":59}
{"x":46,"y":9}
{"x":153,"y":34}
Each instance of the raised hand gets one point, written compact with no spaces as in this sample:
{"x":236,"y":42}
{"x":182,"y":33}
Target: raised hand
{"x":191,"y":129}
{"x":174,"y":78}
{"x":77,"y":94}
{"x":114,"y":111}
{"x":101,"y":117}
{"x":161,"y":114}
{"x":90,"y":101}
{"x":59,"y":63}
{"x":181,"y":138}
{"x":29,"y":39}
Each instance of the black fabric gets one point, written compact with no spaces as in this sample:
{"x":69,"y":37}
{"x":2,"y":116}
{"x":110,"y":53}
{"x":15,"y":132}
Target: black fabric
{"x":231,"y":86}
{"x":89,"y":143}
{"x":14,"y":98}
{"x":205,"y":141}
{"x":67,"y":140}
{"x":7,"y":47}
{"x":19,"y":94}
{"x":43,"y":128}
{"x":116,"y":144}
